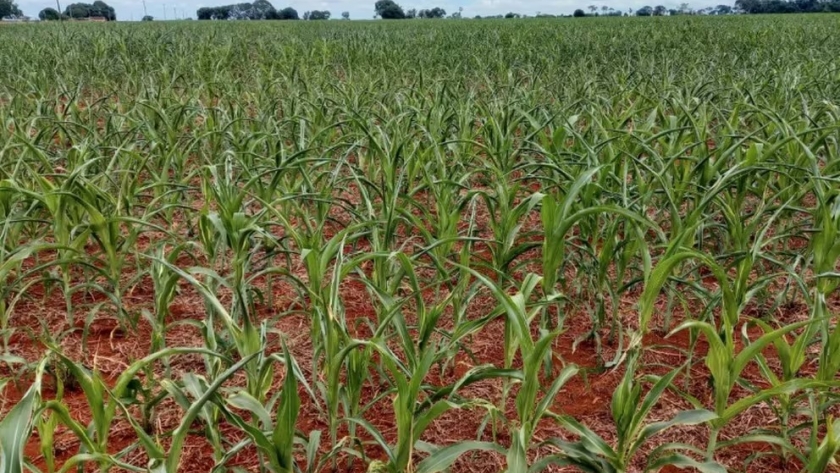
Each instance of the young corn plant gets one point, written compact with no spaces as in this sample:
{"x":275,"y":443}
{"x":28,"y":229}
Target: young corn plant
{"x":416,"y":404}
{"x":530,"y":408}
{"x":724,"y":359}
{"x":12,"y":273}
{"x":505,"y":215}
{"x":560,"y":217}
{"x":275,"y":439}
{"x":629,"y":413}
{"x":791,"y":358}
{"x":106,"y":404}
{"x":167,"y":461}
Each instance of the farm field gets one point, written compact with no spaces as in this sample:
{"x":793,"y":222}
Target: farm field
{"x":601,"y":244}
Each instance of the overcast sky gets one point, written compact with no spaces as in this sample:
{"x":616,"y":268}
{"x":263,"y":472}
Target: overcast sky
{"x":359,"y":9}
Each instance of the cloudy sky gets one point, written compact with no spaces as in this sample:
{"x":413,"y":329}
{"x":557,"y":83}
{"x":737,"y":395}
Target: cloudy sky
{"x":359,"y":9}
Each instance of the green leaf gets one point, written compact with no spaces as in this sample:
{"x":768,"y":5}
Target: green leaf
{"x":691,"y":417}
{"x":517,"y":460}
{"x":681,"y":461}
{"x":443,"y":458}
{"x":243,"y":400}
{"x":588,"y":439}
{"x":15,"y":429}
{"x":825,"y":453}
{"x":284,"y":432}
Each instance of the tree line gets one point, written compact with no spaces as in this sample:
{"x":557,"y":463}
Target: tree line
{"x":260,"y":10}
{"x":10,"y":9}
{"x":741,"y":7}
{"x":787,"y":6}
{"x":390,"y":10}
{"x":79,"y":11}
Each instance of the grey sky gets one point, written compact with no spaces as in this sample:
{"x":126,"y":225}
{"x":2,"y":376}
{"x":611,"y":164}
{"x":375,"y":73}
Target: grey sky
{"x":359,"y":9}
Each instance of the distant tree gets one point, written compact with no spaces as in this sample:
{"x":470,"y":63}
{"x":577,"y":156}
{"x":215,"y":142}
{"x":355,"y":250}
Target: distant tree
{"x":261,"y":10}
{"x":579,"y":13}
{"x":435,"y":12}
{"x":148,"y":18}
{"x":388,"y":10}
{"x":512,"y":15}
{"x":86,"y":10}
{"x":722,"y":10}
{"x":104,"y":10}
{"x":604,"y":9}
{"x":786,"y":6}
{"x":287,"y":13}
{"x":345,"y":15}
{"x":411,"y":13}
{"x":659,"y":10}
{"x":318,"y":15}
{"x":49,"y":14}
{"x":9,"y":9}
{"x":592,"y":8}
{"x":644,"y":11}
{"x":240,"y":11}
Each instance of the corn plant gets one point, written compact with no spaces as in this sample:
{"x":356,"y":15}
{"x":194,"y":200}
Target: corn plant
{"x":629,"y":413}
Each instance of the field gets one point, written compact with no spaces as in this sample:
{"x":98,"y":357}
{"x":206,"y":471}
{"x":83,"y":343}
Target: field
{"x":603,"y":245}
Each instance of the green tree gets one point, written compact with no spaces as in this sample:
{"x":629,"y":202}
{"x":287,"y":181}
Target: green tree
{"x":435,"y":12}
{"x":388,"y":10}
{"x":87,"y":10}
{"x":287,"y":13}
{"x":49,"y":14}
{"x":345,"y":15}
{"x":262,"y":10}
{"x":148,"y":18}
{"x":8,"y":8}
{"x":317,"y":15}
{"x":579,"y":13}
